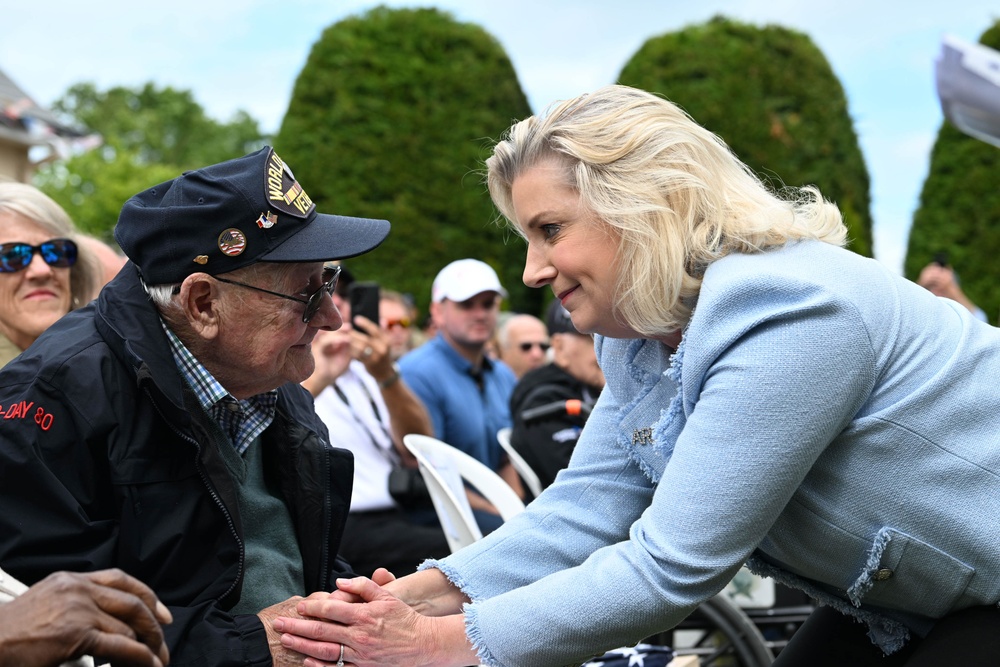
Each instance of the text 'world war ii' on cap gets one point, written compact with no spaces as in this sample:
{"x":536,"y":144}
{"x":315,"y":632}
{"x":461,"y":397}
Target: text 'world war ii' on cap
{"x":233,"y":214}
{"x":463,"y":279}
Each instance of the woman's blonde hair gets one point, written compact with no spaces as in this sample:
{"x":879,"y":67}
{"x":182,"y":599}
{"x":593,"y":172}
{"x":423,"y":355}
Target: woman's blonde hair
{"x":671,"y":191}
{"x":31,"y":203}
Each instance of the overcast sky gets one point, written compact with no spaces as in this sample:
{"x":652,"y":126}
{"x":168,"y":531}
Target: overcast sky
{"x":246,"y":55}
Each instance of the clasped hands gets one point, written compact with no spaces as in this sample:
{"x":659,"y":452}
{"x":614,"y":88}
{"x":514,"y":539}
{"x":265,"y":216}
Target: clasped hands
{"x":373,"y":626}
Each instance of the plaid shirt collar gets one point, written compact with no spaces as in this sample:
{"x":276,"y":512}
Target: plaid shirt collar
{"x":241,"y":420}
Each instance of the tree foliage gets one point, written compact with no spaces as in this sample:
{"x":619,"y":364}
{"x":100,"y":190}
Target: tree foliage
{"x":149,"y":135}
{"x":959,"y":211}
{"x":771,"y":95}
{"x":392,"y":117}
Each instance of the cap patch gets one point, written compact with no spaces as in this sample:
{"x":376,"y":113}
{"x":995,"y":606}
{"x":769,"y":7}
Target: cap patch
{"x":267,"y":220}
{"x":232,"y":242}
{"x":283,"y":191}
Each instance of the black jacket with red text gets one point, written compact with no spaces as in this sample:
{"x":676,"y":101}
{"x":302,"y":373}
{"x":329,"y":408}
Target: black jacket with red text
{"x":107,"y":460}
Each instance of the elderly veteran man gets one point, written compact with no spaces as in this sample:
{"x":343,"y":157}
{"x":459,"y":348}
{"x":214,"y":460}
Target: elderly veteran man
{"x":162,"y":429}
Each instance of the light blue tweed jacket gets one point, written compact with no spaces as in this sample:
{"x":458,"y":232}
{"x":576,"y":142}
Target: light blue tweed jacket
{"x":831,"y":422}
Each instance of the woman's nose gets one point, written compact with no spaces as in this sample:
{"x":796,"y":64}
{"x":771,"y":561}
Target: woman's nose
{"x":38,"y":267}
{"x":538,"y":272}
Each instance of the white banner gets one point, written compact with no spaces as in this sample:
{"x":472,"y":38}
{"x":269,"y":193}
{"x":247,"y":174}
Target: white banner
{"x":968,"y":85}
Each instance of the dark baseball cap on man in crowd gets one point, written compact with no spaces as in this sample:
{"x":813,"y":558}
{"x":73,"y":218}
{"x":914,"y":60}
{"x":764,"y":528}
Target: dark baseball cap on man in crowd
{"x":558,"y":320}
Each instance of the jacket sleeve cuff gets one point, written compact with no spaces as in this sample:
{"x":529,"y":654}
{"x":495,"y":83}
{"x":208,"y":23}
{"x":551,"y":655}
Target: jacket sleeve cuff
{"x":254,"y":639}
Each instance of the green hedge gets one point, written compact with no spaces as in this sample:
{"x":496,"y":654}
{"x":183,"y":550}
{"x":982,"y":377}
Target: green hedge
{"x":392,"y":117}
{"x":771,"y":95}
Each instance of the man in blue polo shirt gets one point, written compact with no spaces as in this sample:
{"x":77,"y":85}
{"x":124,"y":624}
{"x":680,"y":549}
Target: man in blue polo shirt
{"x":466,"y":392}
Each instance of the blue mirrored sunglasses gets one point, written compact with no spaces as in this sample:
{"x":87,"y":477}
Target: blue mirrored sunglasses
{"x":60,"y":253}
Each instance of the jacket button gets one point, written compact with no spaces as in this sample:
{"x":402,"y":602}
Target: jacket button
{"x":882,"y":574}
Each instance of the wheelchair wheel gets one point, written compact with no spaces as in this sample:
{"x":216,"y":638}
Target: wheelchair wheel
{"x":721,"y":635}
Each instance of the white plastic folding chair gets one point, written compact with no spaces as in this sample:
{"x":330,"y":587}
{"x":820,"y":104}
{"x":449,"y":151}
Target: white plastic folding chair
{"x":520,"y":465}
{"x":445,"y":468}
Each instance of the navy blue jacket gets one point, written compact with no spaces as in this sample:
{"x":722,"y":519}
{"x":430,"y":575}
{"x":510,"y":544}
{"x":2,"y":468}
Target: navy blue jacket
{"x":107,"y":460}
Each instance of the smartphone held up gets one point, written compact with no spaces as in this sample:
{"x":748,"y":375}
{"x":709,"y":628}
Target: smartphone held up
{"x":364,"y":299}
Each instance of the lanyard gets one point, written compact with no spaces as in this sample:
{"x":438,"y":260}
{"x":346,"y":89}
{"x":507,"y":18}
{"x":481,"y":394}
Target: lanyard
{"x":386,"y":452}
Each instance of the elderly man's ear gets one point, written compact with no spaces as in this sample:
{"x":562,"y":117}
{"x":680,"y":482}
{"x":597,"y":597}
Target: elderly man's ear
{"x":199,"y":301}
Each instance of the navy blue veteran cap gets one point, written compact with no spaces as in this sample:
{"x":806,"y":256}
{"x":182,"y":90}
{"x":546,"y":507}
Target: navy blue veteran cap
{"x":230,"y":215}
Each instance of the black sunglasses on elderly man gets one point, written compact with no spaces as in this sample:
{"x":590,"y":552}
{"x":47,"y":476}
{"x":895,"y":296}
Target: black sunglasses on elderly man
{"x":526,"y":346}
{"x":59,"y":253}
{"x":313,"y":301}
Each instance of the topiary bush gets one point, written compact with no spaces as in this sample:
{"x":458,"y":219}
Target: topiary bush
{"x":771,"y":95}
{"x":391,"y":117}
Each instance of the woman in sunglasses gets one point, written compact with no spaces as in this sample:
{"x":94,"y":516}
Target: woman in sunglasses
{"x":43,"y":273}
{"x":771,"y":398}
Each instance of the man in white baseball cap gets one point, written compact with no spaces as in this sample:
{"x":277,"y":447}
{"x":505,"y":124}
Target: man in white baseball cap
{"x":465,"y":278}
{"x":466,"y":392}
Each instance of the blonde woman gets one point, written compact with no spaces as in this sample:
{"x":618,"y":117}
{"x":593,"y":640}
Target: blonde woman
{"x":771,"y":399}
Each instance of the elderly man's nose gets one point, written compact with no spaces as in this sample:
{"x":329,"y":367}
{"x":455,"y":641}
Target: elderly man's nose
{"x":328,"y":316}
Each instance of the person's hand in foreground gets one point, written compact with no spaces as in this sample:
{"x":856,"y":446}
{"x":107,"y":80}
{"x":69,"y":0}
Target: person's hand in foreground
{"x":107,"y":614}
{"x":380,"y":630}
